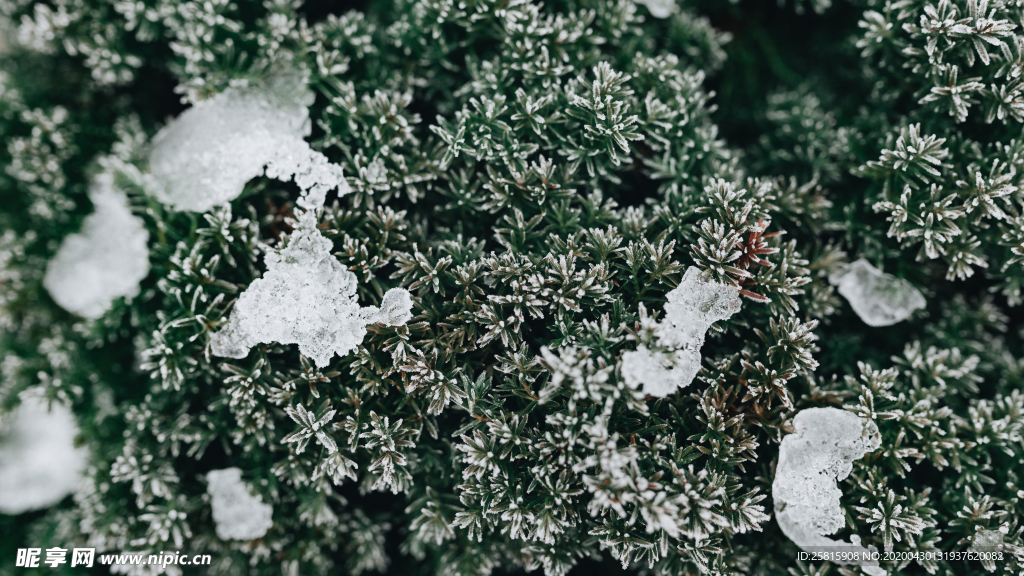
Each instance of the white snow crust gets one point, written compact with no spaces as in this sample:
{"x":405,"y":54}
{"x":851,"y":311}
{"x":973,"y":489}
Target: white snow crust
{"x":879,"y":299}
{"x":691,"y":308}
{"x":105,"y":260}
{"x":204,"y":157}
{"x":39,"y":464}
{"x":238,"y":514}
{"x":659,"y":8}
{"x":811,"y":462}
{"x":307,"y":298}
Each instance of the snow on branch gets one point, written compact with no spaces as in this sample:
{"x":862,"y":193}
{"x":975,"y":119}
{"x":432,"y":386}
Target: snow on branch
{"x":39,"y":464}
{"x":660,"y":8}
{"x":307,"y":298}
{"x":238,"y":514}
{"x":105,"y":260}
{"x":691,"y":309}
{"x":811,"y":461}
{"x":204,"y":157}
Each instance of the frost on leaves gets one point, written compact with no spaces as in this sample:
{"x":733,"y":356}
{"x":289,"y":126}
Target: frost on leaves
{"x":879,"y":299}
{"x":105,"y":260}
{"x":310,"y":427}
{"x":307,"y":298}
{"x":238,"y":514}
{"x":205,"y":156}
{"x":39,"y":464}
{"x":811,"y":461}
{"x":691,"y":309}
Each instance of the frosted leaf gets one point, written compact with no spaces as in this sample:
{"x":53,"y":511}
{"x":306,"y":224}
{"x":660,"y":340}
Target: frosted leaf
{"x":879,"y":299}
{"x":395,"y":307}
{"x":691,"y":308}
{"x":105,"y":260}
{"x":238,"y":514}
{"x":205,"y":156}
{"x":612,"y":483}
{"x":307,"y":298}
{"x":811,"y":462}
{"x":659,"y":8}
{"x":39,"y":464}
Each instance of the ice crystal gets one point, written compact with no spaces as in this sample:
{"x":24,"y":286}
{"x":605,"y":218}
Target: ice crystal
{"x":39,"y":464}
{"x":238,"y":514}
{"x":691,"y":308}
{"x":811,"y":462}
{"x":105,"y":260}
{"x":879,"y":299}
{"x":988,"y":540}
{"x":307,"y":298}
{"x":659,"y":8}
{"x":205,"y":156}
{"x":985,"y":543}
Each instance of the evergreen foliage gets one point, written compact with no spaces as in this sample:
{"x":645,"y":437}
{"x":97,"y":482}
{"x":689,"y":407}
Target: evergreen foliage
{"x":539,"y":177}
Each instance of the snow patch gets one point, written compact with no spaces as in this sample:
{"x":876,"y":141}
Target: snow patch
{"x":105,"y":260}
{"x":879,"y":299}
{"x":238,"y":514}
{"x":307,"y":298}
{"x":691,"y":308}
{"x":659,"y":8}
{"x":987,"y":541}
{"x":660,"y":374}
{"x":39,"y":464}
{"x":811,"y":462}
{"x":204,"y":157}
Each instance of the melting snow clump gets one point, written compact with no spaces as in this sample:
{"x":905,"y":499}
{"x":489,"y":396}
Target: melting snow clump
{"x":205,"y":156}
{"x":238,"y":514}
{"x":879,"y":299}
{"x":691,"y":308}
{"x":105,"y":260}
{"x":39,"y":464}
{"x":811,"y":462}
{"x":660,"y":374}
{"x":659,"y":8}
{"x":307,"y":298}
